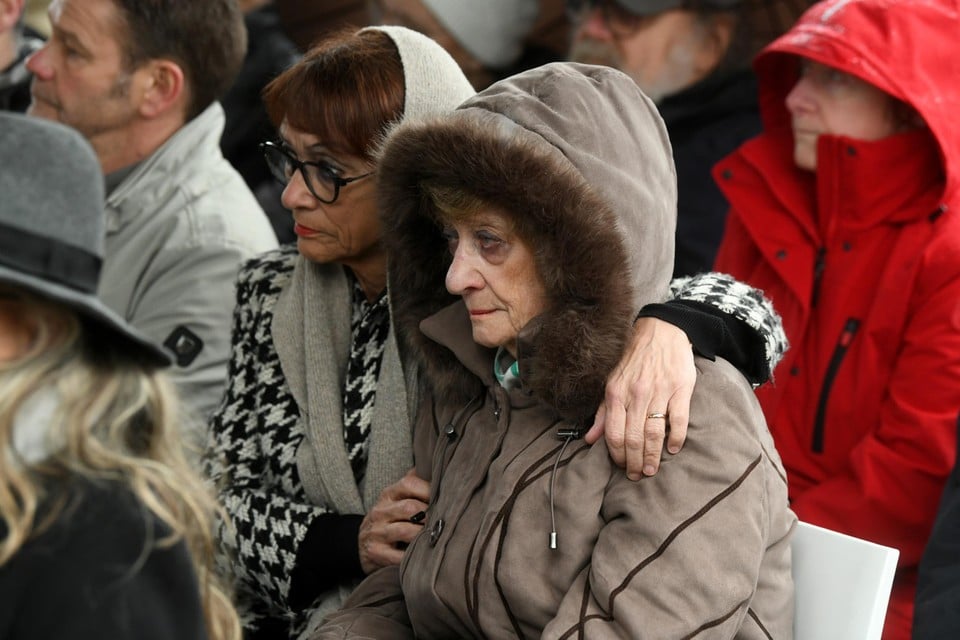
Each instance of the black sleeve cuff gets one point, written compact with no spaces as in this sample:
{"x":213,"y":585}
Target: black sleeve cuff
{"x":715,"y":333}
{"x":328,"y":556}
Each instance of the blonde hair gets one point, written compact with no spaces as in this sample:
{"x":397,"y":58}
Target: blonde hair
{"x":115,"y":420}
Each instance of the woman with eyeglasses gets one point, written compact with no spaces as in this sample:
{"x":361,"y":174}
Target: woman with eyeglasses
{"x":311,"y":445}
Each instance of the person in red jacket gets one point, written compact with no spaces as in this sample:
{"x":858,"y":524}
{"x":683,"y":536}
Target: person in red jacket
{"x":845,"y":212}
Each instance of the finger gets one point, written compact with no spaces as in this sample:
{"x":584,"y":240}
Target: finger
{"x":403,"y":532}
{"x":400,"y":511}
{"x":381,"y":555}
{"x":679,"y":411}
{"x":641,"y":403}
{"x":596,"y":430}
{"x":417,"y":488}
{"x":655,"y":431}
{"x":615,"y":420}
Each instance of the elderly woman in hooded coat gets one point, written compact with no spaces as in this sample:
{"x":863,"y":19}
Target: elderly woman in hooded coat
{"x":529,"y":239}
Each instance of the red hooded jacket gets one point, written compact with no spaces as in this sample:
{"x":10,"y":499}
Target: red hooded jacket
{"x":862,"y":260}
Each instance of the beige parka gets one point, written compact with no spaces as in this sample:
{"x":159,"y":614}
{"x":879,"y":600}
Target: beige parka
{"x":581,"y":159}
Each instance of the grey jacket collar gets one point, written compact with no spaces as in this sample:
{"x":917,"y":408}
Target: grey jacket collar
{"x":149,"y":183}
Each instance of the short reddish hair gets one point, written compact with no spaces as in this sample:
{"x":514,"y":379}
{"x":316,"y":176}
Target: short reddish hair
{"x":346,"y":90}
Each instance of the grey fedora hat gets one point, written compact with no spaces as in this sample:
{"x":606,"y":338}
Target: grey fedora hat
{"x":52,"y":224}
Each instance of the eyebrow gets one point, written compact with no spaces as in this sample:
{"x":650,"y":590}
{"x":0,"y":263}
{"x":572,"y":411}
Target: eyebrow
{"x":70,"y":39}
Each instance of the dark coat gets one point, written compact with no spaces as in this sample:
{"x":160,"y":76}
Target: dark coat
{"x":100,"y":572}
{"x":937,"y":612}
{"x":268,"y":54}
{"x":706,"y":122}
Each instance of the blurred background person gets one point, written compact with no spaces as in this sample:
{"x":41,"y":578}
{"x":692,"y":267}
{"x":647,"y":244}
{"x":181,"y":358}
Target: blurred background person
{"x":105,"y":531}
{"x":937,"y":612}
{"x":489,"y":40}
{"x":306,"y":23}
{"x":845,"y":212}
{"x":16,"y":45}
{"x":269,"y":51}
{"x":141,"y":81}
{"x":693,"y":58}
{"x":35,"y":17}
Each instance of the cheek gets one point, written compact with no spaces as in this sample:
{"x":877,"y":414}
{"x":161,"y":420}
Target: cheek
{"x":365,"y":230}
{"x":529,"y":296}
{"x":15,"y":335}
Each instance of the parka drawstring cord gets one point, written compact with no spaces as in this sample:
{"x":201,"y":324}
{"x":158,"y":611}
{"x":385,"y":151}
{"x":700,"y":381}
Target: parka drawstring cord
{"x":569,"y":435}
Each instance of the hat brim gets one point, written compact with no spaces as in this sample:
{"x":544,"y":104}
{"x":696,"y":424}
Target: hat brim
{"x":92,"y":309}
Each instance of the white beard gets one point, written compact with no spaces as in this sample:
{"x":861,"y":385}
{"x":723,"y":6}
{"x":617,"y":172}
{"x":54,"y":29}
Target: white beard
{"x":674,"y":74}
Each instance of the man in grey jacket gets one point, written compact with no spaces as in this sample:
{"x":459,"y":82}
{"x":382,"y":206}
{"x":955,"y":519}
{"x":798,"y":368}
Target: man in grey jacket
{"x":140,"y":80}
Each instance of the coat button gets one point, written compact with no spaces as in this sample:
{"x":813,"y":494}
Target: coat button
{"x":450,"y":432}
{"x":435,"y":532}
{"x":726,"y":174}
{"x":795,"y":371}
{"x":781,"y":254}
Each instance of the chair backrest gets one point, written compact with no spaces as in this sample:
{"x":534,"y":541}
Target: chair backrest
{"x":842,"y":585}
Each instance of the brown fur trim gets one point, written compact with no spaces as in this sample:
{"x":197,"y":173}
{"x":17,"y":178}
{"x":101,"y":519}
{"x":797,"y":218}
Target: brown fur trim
{"x":574,"y":235}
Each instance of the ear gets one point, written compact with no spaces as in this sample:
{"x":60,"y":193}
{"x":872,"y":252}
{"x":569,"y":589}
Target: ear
{"x":717,"y":34}
{"x":161,"y":86}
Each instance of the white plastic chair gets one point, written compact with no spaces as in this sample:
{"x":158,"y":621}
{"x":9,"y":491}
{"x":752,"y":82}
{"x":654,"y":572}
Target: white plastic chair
{"x":842,"y":585}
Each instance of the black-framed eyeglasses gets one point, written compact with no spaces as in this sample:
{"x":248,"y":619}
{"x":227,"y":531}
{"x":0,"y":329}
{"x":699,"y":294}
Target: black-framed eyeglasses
{"x":321,"y":179}
{"x":620,"y":21}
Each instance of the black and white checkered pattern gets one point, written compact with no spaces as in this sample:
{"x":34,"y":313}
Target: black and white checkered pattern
{"x":369,"y":326}
{"x":251,"y":457}
{"x":742,"y":301}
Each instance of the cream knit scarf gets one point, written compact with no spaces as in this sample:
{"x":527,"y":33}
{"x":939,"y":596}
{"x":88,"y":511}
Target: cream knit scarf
{"x":311,"y":332}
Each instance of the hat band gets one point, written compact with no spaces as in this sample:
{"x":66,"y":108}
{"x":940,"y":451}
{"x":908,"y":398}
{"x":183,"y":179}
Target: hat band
{"x":49,"y":259}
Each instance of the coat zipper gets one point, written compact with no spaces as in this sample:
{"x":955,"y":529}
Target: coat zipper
{"x":843,"y":344}
{"x":818,"y":266}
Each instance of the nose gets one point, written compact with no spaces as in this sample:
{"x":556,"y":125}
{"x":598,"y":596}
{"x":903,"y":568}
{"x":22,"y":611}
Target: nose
{"x":39,"y":64}
{"x":800,"y":99}
{"x":593,"y":25}
{"x":462,"y":276}
{"x":296,"y":195}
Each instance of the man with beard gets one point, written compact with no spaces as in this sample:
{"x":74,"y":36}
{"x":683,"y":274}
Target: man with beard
{"x":692,"y":57}
{"x":140,"y":80}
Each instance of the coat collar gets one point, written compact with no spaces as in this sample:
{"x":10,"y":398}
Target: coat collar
{"x":858,"y":184}
{"x":149,"y":183}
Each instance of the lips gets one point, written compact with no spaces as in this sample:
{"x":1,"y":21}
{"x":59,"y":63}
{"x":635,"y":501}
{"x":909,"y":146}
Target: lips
{"x":304,"y":232}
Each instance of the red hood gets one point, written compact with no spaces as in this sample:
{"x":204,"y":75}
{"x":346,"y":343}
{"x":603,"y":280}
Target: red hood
{"x":904,"y":47}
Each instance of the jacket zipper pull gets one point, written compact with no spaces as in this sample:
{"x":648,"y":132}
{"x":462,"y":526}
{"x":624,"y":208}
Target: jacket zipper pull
{"x":850,"y":328}
{"x":568,"y":435}
{"x":818,"y":266}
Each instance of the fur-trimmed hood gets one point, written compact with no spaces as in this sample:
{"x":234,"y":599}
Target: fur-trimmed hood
{"x":582,"y":160}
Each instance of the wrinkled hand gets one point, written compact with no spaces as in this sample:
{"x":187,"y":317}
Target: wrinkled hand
{"x":656,"y":375}
{"x":387,"y":528}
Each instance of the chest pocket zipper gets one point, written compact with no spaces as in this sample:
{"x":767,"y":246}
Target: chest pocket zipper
{"x":839,"y":351}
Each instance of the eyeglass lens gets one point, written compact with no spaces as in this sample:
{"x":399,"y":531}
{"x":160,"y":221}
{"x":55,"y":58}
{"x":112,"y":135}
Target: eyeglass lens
{"x":282,"y":165}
